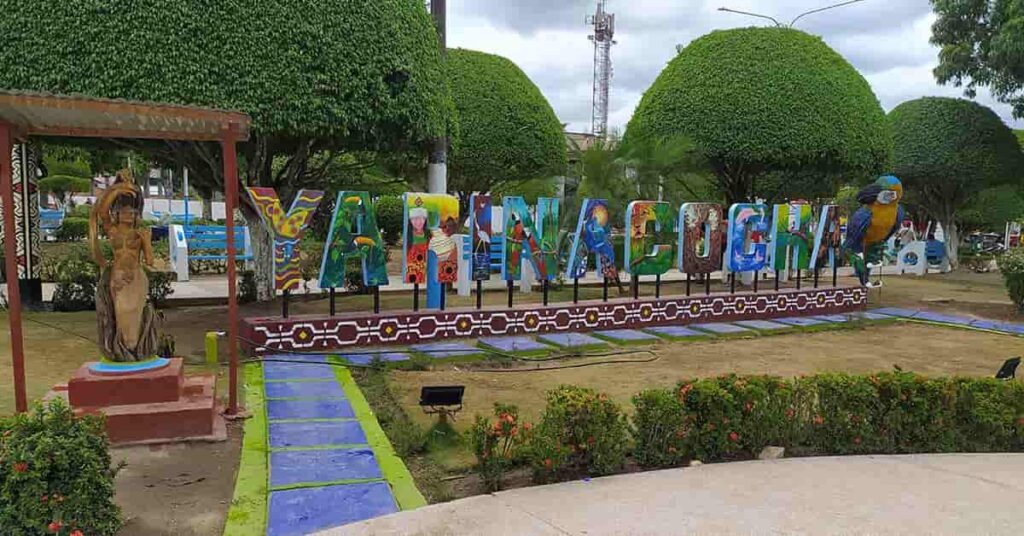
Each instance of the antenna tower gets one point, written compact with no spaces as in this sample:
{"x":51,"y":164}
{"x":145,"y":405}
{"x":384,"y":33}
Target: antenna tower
{"x":603,"y":38}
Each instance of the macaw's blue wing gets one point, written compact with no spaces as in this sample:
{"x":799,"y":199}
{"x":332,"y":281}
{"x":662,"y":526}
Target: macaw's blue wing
{"x":856,"y":228}
{"x":899,"y":221}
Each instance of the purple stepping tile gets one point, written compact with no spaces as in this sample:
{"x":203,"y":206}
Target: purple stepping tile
{"x":330,"y":465}
{"x":297,"y":371}
{"x":309,"y":409}
{"x":720,"y":328}
{"x":869,"y":315}
{"x":572,"y":340}
{"x":366,"y":359}
{"x":308,"y":358}
{"x":764,"y":325}
{"x":675,"y":332}
{"x":944,"y":319}
{"x":303,"y":390}
{"x":625,"y":335}
{"x":515,"y":344}
{"x":314,"y":434}
{"x":896,"y":311}
{"x":801,"y":321}
{"x":833,"y":318}
{"x":1006,"y":327}
{"x":441,"y":350}
{"x":296,"y":512}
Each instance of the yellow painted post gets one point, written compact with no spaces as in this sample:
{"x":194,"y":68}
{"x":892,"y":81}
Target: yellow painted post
{"x":211,"y":347}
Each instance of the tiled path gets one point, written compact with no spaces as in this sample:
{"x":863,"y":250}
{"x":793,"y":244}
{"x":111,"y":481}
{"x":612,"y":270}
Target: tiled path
{"x":325,"y":451}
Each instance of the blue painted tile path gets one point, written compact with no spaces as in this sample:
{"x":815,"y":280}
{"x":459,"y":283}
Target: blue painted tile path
{"x":626,"y":335}
{"x":764,"y":325}
{"x":323,"y":473}
{"x":675,"y":332}
{"x":801,"y":321}
{"x":572,"y":340}
{"x":515,"y":344}
{"x":721,"y":328}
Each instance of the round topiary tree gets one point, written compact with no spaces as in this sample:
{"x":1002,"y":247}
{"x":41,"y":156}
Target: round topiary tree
{"x":946,"y":151}
{"x":758,"y":100}
{"x":318,"y":78}
{"x":508,"y":132}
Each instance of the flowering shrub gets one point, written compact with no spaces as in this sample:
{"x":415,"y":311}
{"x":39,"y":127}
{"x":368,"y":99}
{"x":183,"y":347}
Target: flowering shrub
{"x":498,"y":445}
{"x":1011,"y":265}
{"x":55,"y":474}
{"x":580,"y":433}
{"x":731,"y":417}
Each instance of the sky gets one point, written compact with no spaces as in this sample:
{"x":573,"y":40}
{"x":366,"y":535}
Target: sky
{"x":886,"y":40}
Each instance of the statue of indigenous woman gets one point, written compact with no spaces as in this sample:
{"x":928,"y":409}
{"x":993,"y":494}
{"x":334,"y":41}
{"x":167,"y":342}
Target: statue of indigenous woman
{"x":126,"y":321}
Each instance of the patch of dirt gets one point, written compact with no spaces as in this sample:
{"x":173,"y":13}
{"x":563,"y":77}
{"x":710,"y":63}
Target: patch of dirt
{"x":181,"y":489}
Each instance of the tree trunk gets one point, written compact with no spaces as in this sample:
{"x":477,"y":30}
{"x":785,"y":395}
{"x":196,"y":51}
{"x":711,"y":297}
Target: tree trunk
{"x":207,"y":208}
{"x":262,"y":254}
{"x":952,"y":238}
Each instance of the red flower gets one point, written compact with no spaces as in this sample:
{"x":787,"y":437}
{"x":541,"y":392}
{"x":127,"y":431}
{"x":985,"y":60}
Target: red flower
{"x":591,"y":440}
{"x":819,"y":420}
{"x":602,"y":397}
{"x":44,"y":498}
{"x":547,"y":463}
{"x":20,"y":467}
{"x":856,"y":440}
{"x":790,"y":413}
{"x":508,"y":418}
{"x":686,"y":389}
{"x":734,"y":437}
{"x":55,"y":526}
{"x":527,"y":426}
{"x":76,"y":532}
{"x":748,"y":407}
{"x":497,"y":426}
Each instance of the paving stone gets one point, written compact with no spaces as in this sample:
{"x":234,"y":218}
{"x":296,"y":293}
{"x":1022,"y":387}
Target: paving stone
{"x":833,"y":318}
{"x":441,"y":350}
{"x":367,"y":358}
{"x":1005,"y":327}
{"x":870,"y":315}
{"x":942,"y":318}
{"x":515,"y":344}
{"x":328,"y":465}
{"x":626,"y":336}
{"x":297,"y":512}
{"x":896,"y":311}
{"x":303,"y":390}
{"x":308,"y":358}
{"x":675,"y":332}
{"x":764,"y":325}
{"x":315,"y":434}
{"x":801,"y":321}
{"x":297,"y":371}
{"x":309,"y":409}
{"x":721,"y":328}
{"x":572,"y":340}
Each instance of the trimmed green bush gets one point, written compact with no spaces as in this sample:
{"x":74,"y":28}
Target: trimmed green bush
{"x":55,"y":474}
{"x":733,"y":417}
{"x":1011,"y":265}
{"x":581,"y":433}
{"x":390,"y":212}
{"x":72,"y":230}
{"x":758,"y":100}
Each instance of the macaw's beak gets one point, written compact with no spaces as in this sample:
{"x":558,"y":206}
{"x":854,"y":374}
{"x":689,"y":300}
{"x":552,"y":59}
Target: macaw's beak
{"x":886,"y":197}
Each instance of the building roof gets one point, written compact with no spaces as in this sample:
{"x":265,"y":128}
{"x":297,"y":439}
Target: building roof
{"x":47,"y":114}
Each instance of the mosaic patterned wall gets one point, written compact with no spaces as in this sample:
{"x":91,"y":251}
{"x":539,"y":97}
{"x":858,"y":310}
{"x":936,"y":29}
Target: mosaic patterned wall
{"x":329,"y":333}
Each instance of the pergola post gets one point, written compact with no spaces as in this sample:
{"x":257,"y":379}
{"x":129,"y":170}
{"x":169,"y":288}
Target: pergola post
{"x":11,"y":267}
{"x":230,"y":135}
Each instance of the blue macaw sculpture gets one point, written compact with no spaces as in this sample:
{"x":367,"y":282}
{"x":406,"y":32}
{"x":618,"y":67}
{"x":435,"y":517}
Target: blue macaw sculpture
{"x":870,"y":227}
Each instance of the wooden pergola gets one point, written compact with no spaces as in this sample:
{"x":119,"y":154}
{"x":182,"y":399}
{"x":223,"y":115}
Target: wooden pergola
{"x":27,"y":114}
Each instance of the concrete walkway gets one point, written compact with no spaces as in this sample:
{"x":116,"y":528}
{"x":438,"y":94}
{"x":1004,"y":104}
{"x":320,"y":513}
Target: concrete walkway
{"x":918,"y":494}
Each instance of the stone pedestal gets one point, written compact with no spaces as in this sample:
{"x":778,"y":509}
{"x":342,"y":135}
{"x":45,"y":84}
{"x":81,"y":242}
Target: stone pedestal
{"x":153,"y":406}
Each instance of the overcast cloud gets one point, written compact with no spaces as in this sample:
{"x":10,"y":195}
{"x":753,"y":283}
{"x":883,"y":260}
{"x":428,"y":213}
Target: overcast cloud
{"x":886,"y":40}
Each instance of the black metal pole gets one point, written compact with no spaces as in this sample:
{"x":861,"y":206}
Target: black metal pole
{"x":331,"y":298}
{"x":657,"y":286}
{"x":479,"y":294}
{"x":757,"y":276}
{"x":798,"y":279}
{"x":605,"y":291}
{"x":732,"y":282}
{"x":776,"y":280}
{"x":511,"y":289}
{"x":415,"y":297}
{"x":816,"y":272}
{"x":544,"y":289}
{"x":636,"y":287}
{"x":575,"y":290}
{"x":707,"y":284}
{"x":835,"y":268}
{"x":284,"y":304}
{"x":687,"y":284}
{"x":376,"y":300}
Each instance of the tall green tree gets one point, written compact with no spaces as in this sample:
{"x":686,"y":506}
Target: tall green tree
{"x":759,"y":100}
{"x":982,"y":44}
{"x":946,"y":151}
{"x":320,"y":79}
{"x":508,"y":133}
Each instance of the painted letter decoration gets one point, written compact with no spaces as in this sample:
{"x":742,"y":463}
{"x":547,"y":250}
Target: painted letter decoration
{"x":286,"y":229}
{"x":430,"y":222}
{"x":644,"y":255}
{"x":353,"y":233}
{"x":747,"y":246}
{"x":700,"y":238}
{"x":593,"y":237}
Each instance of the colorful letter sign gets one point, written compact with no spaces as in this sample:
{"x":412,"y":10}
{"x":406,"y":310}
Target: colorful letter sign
{"x":827,"y":237}
{"x":747,"y":250}
{"x":791,"y":239}
{"x":646,"y":251}
{"x":286,"y":229}
{"x":353,"y":233}
{"x":480,"y":230}
{"x":537,"y":242}
{"x":700,"y":238}
{"x":430,"y":222}
{"x":593,"y":236}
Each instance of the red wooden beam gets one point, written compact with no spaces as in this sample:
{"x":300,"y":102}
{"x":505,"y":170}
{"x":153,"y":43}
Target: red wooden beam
{"x":229,"y":136}
{"x":11,"y":267}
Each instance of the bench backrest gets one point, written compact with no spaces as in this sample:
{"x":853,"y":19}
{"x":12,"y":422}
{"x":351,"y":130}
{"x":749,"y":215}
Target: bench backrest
{"x":213,"y":237}
{"x":50,"y":218}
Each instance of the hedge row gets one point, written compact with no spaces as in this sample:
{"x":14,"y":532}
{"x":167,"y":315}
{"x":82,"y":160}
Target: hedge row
{"x":583,"y":433}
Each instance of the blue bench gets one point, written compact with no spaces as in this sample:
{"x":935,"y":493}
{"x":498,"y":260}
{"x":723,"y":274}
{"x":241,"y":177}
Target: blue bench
{"x":174,"y":218}
{"x":214,"y":238}
{"x":50,"y":220}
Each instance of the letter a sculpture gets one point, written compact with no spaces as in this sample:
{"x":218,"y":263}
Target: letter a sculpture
{"x":126,"y":322}
{"x":871,"y":226}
